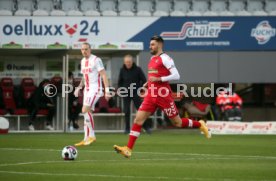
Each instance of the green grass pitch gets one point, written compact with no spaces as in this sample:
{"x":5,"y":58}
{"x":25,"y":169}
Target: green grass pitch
{"x":164,"y":155}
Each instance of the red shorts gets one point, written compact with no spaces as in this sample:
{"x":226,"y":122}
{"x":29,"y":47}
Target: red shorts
{"x":166,"y":104}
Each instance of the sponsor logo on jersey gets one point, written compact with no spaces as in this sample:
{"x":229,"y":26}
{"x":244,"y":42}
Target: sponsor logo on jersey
{"x":152,"y":71}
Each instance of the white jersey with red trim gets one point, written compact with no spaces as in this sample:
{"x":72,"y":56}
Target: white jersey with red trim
{"x":90,"y":69}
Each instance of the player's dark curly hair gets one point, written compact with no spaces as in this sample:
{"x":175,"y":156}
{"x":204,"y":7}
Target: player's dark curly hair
{"x":157,"y":38}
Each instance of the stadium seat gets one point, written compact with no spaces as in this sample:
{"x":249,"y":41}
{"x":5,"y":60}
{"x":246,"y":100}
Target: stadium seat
{"x":103,"y":106}
{"x":28,"y":88}
{"x":44,"y":7}
{"x":89,"y":7}
{"x":270,"y":7}
{"x":24,"y":7}
{"x":199,"y":7}
{"x":144,"y":7}
{"x":2,"y":105}
{"x":126,"y":7}
{"x":162,"y":7}
{"x":6,"y":7}
{"x":57,"y":82}
{"x":255,"y":7}
{"x":108,"y":7}
{"x":237,"y":7}
{"x":218,"y":5}
{"x":243,"y":13}
{"x":57,"y":11}
{"x":8,"y":97}
{"x":180,"y":7}
{"x":71,"y":7}
{"x":210,"y":13}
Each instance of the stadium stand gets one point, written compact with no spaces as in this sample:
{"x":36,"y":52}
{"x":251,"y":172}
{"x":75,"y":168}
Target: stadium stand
{"x":90,"y":7}
{"x":144,"y":7}
{"x":270,"y":7}
{"x":138,"y":7}
{"x":238,"y":7}
{"x":44,"y":7}
{"x":6,"y":7}
{"x":199,"y":7}
{"x":108,"y":7}
{"x":24,"y":7}
{"x":180,"y":7}
{"x":71,"y":7}
{"x":255,"y":7}
{"x":57,"y":82}
{"x":126,"y":7}
{"x":162,"y":7}
{"x":8,"y":97}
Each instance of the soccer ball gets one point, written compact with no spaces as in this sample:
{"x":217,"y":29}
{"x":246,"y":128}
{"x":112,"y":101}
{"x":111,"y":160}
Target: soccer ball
{"x":69,"y":153}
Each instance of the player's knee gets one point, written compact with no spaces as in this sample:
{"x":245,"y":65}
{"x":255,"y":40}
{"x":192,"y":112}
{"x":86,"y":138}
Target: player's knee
{"x":84,"y":110}
{"x":176,"y":123}
{"x":138,"y":121}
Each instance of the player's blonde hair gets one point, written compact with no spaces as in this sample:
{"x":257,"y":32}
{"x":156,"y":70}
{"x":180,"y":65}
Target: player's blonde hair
{"x":88,"y":44}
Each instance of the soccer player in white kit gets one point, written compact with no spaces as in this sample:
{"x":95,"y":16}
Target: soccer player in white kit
{"x":93,"y":71}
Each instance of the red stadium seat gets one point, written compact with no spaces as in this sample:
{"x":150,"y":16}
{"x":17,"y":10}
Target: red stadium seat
{"x":104,"y":106}
{"x":3,"y":111}
{"x":8,"y":97}
{"x":28,"y":87}
{"x":57,"y":81}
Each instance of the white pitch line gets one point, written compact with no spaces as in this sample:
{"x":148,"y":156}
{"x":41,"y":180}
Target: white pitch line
{"x":117,"y":176}
{"x":124,"y":160}
{"x":153,"y":153}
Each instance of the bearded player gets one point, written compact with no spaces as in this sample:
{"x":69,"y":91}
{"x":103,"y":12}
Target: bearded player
{"x":161,"y":70}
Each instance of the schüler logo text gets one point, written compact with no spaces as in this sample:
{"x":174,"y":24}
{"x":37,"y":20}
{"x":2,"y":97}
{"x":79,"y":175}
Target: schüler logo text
{"x":263,"y":32}
{"x":193,"y":29}
{"x":30,"y":28}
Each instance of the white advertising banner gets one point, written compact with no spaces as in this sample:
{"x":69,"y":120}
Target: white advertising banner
{"x":64,"y":32}
{"x":226,"y":127}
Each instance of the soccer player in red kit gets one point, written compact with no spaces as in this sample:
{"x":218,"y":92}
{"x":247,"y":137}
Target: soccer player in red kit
{"x":161,"y":70}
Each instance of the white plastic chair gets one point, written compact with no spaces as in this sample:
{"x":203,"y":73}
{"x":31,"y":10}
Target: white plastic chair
{"x":256,"y":7}
{"x":200,"y":6}
{"x":126,"y":7}
{"x":162,"y":7}
{"x":108,"y":7}
{"x":24,"y":7}
{"x":144,"y":7}
{"x":71,"y":7}
{"x":6,"y":7}
{"x":180,"y":7}
{"x":90,"y":7}
{"x":236,"y":6}
{"x":218,"y":6}
{"x":270,"y":7}
{"x":44,"y":7}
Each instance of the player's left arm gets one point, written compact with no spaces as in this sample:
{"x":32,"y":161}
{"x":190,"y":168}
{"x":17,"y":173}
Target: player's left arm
{"x":102,"y":72}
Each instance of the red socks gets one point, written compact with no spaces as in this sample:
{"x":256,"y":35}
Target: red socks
{"x":190,"y":123}
{"x":134,"y":134}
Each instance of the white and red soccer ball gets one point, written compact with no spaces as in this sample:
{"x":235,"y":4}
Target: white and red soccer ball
{"x":69,"y":153}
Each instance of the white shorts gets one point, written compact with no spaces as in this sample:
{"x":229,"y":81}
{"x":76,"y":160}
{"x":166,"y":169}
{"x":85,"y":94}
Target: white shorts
{"x":91,"y":97}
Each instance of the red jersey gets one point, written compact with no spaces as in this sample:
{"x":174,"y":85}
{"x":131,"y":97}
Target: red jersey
{"x":159,"y":93}
{"x":157,"y":68}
